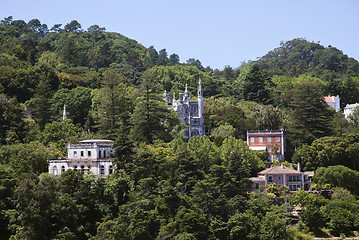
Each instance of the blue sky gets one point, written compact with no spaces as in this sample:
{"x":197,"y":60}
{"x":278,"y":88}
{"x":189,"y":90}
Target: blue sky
{"x":218,"y":33}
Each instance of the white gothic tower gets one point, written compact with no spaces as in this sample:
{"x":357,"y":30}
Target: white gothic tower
{"x":190,"y":112}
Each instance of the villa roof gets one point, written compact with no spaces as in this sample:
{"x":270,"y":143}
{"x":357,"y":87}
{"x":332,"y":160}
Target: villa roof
{"x":354,"y":105}
{"x":96,"y":141}
{"x":330,"y":99}
{"x":278,"y":170}
{"x":257,"y":179}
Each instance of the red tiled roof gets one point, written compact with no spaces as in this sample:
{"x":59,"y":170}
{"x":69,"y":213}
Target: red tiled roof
{"x":329,"y":99}
{"x":278,"y":170}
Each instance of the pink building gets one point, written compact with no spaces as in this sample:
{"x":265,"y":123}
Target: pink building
{"x":272,"y":141}
{"x":281,"y":175}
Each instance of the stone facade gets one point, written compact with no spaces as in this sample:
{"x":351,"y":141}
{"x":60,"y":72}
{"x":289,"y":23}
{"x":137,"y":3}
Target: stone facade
{"x":190,"y":112}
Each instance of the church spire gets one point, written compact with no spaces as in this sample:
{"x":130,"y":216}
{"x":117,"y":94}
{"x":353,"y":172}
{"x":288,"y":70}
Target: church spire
{"x":187,"y":97}
{"x":200,"y":93}
{"x":200,"y":100}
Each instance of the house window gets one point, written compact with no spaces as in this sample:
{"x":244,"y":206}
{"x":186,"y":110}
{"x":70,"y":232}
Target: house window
{"x":260,"y":139}
{"x":102,"y":170}
{"x":62,"y":169}
{"x":277,"y":139}
{"x":89,"y":153}
{"x":104,"y":154}
{"x":194,"y":133}
{"x":270,"y":179}
{"x":89,"y":168}
{"x":75,"y":168}
{"x":252,"y":139}
{"x":54,"y":169}
{"x":269,"y":139}
{"x":99,"y":154}
{"x":82,"y":153}
{"x":82,"y":168}
{"x":279,"y":178}
{"x":278,"y":150}
{"x":110,"y":169}
{"x":269,"y":149}
{"x":75,"y":154}
{"x":256,"y":185}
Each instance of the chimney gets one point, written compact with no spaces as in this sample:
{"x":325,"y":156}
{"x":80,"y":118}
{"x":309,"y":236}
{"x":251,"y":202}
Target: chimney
{"x":291,"y":165}
{"x":298,"y":168}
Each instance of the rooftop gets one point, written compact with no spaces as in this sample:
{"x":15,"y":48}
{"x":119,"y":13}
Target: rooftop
{"x":278,"y":170}
{"x":354,"y":105}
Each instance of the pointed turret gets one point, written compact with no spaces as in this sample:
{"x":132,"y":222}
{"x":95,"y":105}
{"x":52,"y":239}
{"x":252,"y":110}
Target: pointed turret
{"x":200,"y":93}
{"x":64,"y":113}
{"x":166,"y":97}
{"x":200,"y":100}
{"x":187,"y":96}
{"x":174,"y":99}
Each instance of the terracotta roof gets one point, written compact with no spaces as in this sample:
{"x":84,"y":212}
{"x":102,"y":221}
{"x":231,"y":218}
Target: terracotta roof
{"x":257,"y":179}
{"x":329,"y":99}
{"x":278,"y":170}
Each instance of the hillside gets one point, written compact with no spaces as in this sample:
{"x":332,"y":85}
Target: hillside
{"x":164,"y":187}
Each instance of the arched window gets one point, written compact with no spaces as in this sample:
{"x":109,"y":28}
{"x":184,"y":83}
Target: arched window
{"x":102,"y":170}
{"x":110,"y":169}
{"x":194,"y":133}
{"x":82,"y":168}
{"x":75,"y":168}
{"x":54,"y":170}
{"x":62,"y":169}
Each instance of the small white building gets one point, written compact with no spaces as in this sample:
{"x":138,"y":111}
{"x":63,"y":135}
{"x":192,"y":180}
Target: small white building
{"x":333,"y":102}
{"x":348,"y":110}
{"x":93,"y":156}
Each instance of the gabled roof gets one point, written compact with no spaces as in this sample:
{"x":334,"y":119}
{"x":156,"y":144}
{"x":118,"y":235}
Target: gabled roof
{"x":278,"y":170}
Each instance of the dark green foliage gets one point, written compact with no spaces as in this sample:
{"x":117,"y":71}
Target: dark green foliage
{"x":163,"y":189}
{"x":12,"y":125}
{"x":338,"y":176}
{"x":329,"y":151}
{"x":310,"y":117}
{"x":298,"y":56}
{"x":151,"y":118}
{"x":253,"y":85}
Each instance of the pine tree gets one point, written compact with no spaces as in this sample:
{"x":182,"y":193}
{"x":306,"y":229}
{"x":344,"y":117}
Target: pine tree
{"x":41,"y":102}
{"x":151,"y":118}
{"x":113,"y":105}
{"x":311,"y":117}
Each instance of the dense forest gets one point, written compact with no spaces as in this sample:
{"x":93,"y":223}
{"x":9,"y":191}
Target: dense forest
{"x":165,"y":187}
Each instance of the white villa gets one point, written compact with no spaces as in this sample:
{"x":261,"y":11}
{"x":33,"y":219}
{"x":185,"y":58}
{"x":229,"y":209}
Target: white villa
{"x":93,"y":156}
{"x":349,"y":108}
